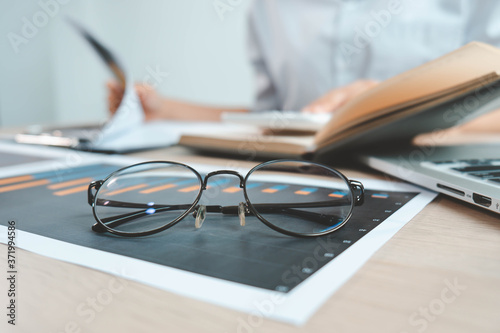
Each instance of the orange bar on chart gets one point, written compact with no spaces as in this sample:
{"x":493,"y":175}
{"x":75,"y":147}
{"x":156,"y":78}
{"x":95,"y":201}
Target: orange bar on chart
{"x":274,"y":188}
{"x":127,"y":189}
{"x":157,"y":188}
{"x":24,"y":185}
{"x":15,"y":179}
{"x":72,"y":190}
{"x":191,"y":188}
{"x":232,"y":189}
{"x":302,"y":192}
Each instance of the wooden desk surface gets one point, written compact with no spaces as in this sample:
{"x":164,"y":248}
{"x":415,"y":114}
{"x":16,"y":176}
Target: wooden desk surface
{"x":440,"y":273}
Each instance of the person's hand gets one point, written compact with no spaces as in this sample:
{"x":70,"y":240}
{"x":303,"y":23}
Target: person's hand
{"x":335,"y":98}
{"x":115,"y":95}
{"x":152,"y":103}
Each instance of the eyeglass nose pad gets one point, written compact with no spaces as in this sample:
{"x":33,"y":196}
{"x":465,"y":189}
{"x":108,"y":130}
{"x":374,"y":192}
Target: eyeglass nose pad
{"x":201,"y":213}
{"x":242,"y":208}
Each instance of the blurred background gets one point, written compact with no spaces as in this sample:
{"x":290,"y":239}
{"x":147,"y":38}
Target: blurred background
{"x":187,"y":49}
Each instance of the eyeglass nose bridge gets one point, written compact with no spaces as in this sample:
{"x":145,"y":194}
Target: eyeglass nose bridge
{"x":223,"y":172}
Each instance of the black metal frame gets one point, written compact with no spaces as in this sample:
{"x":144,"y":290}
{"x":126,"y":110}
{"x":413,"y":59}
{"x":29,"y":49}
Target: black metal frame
{"x":101,"y":226}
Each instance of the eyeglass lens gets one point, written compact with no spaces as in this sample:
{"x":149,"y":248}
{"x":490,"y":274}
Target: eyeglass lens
{"x":311,"y":198}
{"x":139,"y":198}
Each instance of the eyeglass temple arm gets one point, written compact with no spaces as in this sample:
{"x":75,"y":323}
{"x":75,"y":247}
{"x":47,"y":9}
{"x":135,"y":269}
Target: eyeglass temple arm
{"x":291,"y":209}
{"x":223,"y":209}
{"x":117,"y":220}
{"x":123,"y":218}
{"x":293,"y":205}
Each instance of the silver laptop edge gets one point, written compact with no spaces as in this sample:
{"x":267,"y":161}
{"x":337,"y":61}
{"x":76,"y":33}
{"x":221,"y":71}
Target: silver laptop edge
{"x":412,"y":165}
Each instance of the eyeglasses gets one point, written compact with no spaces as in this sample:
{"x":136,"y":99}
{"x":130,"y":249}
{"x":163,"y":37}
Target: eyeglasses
{"x":296,"y":198}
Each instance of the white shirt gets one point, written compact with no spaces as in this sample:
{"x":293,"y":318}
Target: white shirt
{"x":301,"y":49}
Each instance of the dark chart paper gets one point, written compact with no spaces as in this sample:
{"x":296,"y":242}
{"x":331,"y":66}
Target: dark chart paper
{"x":54,"y":204}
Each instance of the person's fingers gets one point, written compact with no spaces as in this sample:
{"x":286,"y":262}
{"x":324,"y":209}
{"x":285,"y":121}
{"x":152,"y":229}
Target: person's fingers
{"x":360,"y":86}
{"x":328,"y":102}
{"x":146,"y":94}
{"x":114,"y":87}
{"x":338,"y":97}
{"x":150,"y":100}
{"x":144,"y":90}
{"x":113,"y":103}
{"x":115,"y":95}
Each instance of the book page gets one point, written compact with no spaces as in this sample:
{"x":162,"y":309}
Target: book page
{"x":417,"y":85}
{"x":250,"y":142}
{"x":419,"y":115}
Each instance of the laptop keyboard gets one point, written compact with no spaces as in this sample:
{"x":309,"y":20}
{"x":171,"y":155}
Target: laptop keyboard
{"x":483,"y":170}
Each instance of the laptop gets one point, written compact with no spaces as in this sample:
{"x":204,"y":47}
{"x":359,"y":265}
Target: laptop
{"x":470,"y":172}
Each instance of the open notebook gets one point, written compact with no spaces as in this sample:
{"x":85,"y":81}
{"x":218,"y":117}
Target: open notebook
{"x":442,"y":93}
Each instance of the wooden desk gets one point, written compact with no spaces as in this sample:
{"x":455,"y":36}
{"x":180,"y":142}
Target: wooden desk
{"x":440,"y":273}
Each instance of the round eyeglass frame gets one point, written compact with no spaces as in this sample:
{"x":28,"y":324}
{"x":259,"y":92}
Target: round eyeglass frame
{"x":97,"y":185}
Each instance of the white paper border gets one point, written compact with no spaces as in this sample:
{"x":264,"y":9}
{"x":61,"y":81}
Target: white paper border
{"x":294,"y":307}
